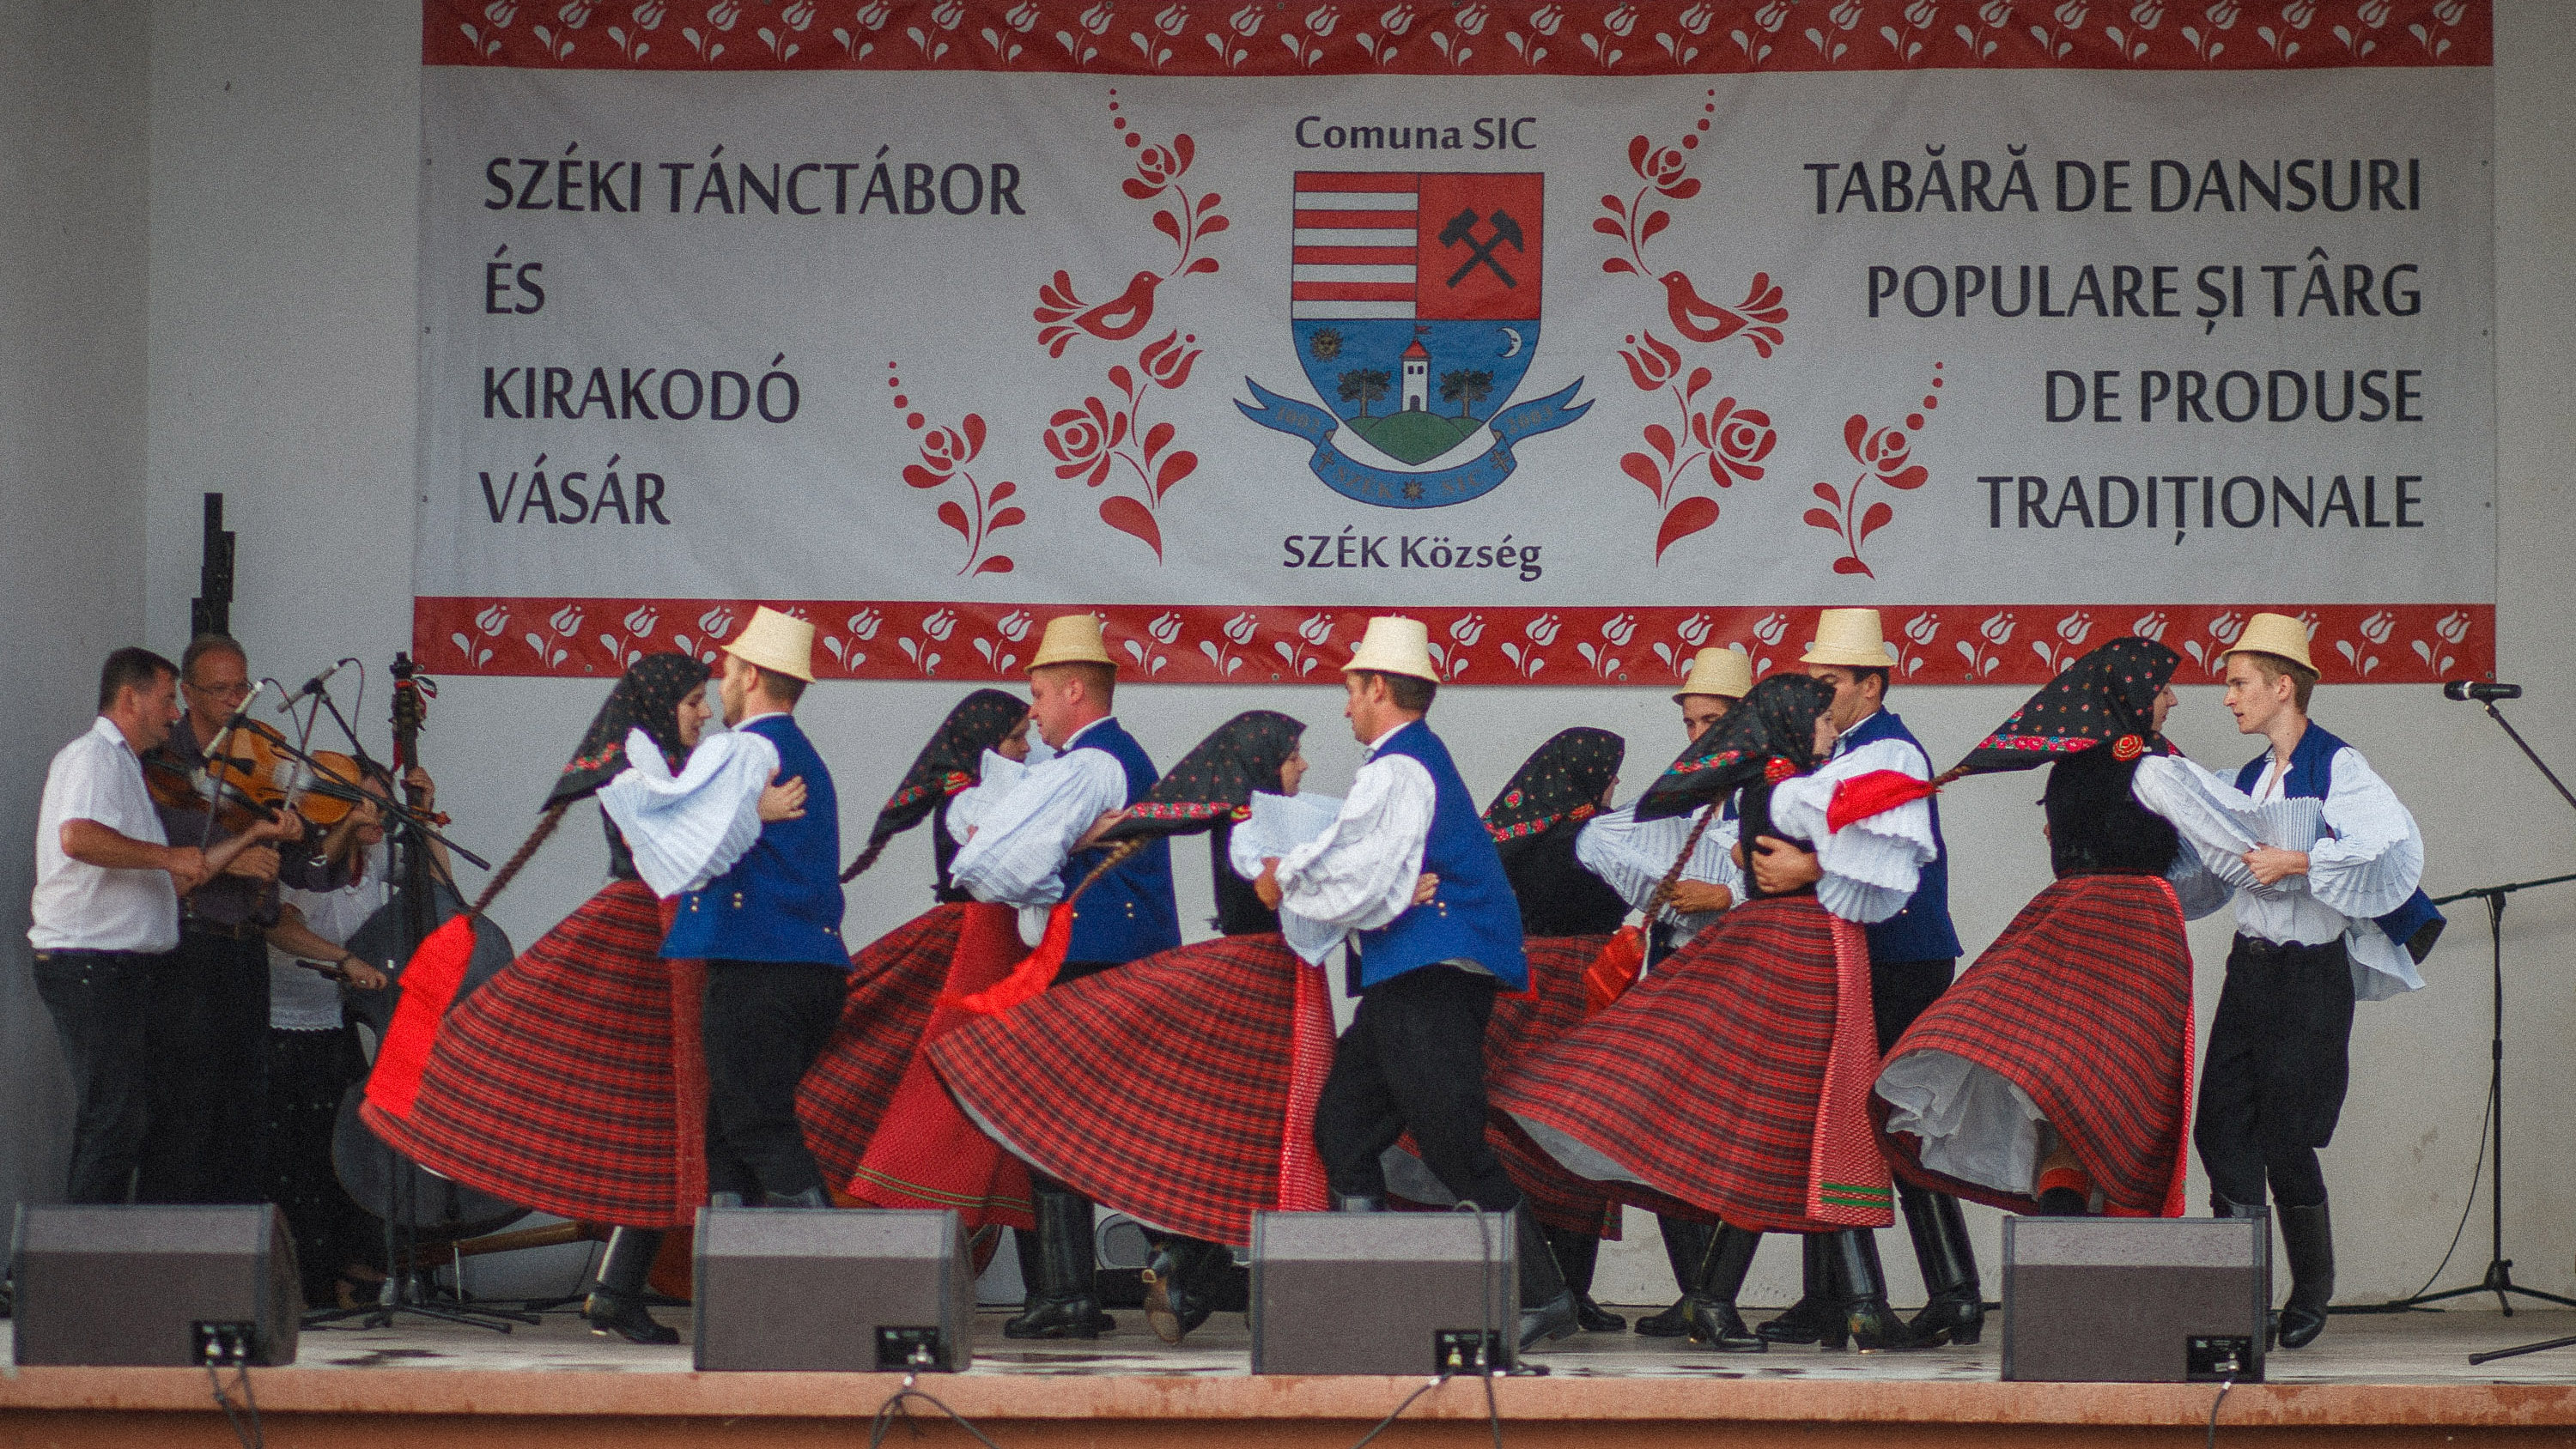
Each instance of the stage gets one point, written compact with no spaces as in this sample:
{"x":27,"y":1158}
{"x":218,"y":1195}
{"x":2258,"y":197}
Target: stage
{"x":2401,"y":1379}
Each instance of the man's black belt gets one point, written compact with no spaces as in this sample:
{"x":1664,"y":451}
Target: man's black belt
{"x":224,"y":931}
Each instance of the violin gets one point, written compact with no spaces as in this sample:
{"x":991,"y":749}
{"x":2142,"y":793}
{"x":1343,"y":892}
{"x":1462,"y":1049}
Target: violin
{"x":246,"y":784}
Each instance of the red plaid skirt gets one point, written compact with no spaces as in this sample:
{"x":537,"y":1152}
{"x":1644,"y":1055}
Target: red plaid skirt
{"x":1179,"y":1089}
{"x":556,"y":1086}
{"x":894,"y":983}
{"x":2084,"y":1002}
{"x":919,"y":1151}
{"x":1729,"y":1082}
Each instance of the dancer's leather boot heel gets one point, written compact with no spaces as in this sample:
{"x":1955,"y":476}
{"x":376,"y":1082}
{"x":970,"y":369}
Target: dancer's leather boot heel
{"x":616,"y":1302}
{"x":1710,"y":1306}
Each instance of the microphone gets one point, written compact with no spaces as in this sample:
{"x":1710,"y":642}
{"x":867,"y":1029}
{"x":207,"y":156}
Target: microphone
{"x":241,"y":716}
{"x":2480,"y":690}
{"x":314,"y":685}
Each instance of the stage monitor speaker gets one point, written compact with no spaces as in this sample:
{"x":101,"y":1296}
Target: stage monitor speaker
{"x":859,"y":1291}
{"x":2136,"y":1300}
{"x":1383,"y":1293}
{"x":156,"y":1285}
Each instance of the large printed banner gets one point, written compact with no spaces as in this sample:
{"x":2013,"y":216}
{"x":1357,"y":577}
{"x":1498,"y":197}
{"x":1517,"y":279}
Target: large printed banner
{"x":1589,"y":333}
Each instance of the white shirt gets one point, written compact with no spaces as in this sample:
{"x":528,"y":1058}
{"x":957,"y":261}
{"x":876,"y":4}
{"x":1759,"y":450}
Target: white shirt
{"x":1023,"y":839}
{"x":83,"y":907}
{"x":684,"y":830}
{"x":1872,"y":865}
{"x":1279,"y":825}
{"x":1360,"y":873}
{"x":304,"y":1000}
{"x":1634,"y":855}
{"x":2365,"y":857}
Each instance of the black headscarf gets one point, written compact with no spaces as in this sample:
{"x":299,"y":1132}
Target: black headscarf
{"x":2106,"y":697}
{"x":1215,"y":781}
{"x":1770,"y":732}
{"x":951,"y":761}
{"x":1562,"y":780}
{"x":648,"y":698}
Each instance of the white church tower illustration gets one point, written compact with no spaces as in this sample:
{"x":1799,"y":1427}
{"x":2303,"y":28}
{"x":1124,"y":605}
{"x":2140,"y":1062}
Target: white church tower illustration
{"x":1417,"y":378}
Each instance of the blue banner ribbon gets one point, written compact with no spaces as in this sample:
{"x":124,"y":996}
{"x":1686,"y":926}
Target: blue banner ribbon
{"x":1389,"y":488}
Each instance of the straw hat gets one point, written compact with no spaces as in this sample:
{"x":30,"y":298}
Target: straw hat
{"x":1851,"y":638}
{"x":1726,"y":673}
{"x":2275,"y":634}
{"x":1072,"y":639}
{"x":1395,"y":645}
{"x":776,"y":642}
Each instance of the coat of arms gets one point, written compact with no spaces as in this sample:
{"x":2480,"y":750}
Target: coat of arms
{"x":1414,"y":302}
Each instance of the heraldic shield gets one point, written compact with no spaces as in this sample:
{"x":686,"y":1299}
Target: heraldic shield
{"x":1414,"y":300}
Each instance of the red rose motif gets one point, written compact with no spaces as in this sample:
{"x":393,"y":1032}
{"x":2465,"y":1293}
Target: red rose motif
{"x":1159,"y":166}
{"x":1886,"y":452}
{"x":1168,"y":362}
{"x":1777,"y":769}
{"x":1651,"y":363}
{"x":1081,"y":439}
{"x":1664,"y":168}
{"x":2128,"y":747}
{"x":944,"y":451}
{"x":1738,"y":439}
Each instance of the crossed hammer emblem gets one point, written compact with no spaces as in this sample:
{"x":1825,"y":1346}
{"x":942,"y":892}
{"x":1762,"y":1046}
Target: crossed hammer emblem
{"x":1462,"y":230}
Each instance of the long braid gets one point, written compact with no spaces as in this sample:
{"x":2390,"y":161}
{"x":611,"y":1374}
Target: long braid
{"x":867,"y":857}
{"x":1673,"y":878}
{"x":1117,"y":857}
{"x":510,"y":868}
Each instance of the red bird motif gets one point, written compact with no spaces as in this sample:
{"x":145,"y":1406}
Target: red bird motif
{"x":1115,"y":320}
{"x":1695,"y":319}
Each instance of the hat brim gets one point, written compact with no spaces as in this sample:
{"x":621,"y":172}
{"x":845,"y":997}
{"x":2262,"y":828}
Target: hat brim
{"x":1849,"y":657}
{"x":774,"y":663}
{"x":1075,"y":657}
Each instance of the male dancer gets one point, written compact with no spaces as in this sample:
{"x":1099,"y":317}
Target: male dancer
{"x":1912,"y":957}
{"x":769,"y":929}
{"x":1036,"y":848}
{"x":1634,"y":858}
{"x":2309,"y":925}
{"x":1409,"y":867}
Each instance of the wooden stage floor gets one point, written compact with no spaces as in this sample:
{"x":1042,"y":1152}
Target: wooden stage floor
{"x":2386,"y":1379}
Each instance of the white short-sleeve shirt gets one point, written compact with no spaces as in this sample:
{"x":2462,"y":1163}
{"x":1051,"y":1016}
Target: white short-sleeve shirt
{"x":82,"y":907}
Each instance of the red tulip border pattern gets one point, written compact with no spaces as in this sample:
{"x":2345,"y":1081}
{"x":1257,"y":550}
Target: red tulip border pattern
{"x":959,"y":642}
{"x":1473,"y":37}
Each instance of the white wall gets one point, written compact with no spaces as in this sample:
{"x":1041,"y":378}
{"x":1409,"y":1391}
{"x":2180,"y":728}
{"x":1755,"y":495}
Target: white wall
{"x":281,"y":303}
{"x":72,"y":150}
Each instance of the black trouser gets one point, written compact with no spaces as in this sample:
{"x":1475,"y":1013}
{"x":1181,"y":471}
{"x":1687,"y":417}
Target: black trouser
{"x":308,"y":1074}
{"x":1414,"y":1060}
{"x":209,"y":1035}
{"x":101,"y":1002}
{"x":764,"y":1023}
{"x":2273,"y":1083}
{"x":1900,"y":991}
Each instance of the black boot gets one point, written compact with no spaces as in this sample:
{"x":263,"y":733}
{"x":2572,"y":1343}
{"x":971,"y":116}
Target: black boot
{"x":1359,"y":1202}
{"x":1064,"y":1300}
{"x":1873,"y":1326}
{"x":1957,"y":1307}
{"x":1176,"y":1287}
{"x":1685,"y":1248}
{"x":1547,"y":1305}
{"x":724,"y":1199}
{"x":616,"y":1301}
{"x":1813,"y":1318}
{"x":2308,"y":1240}
{"x":1578,"y":1254}
{"x":812,"y":1197}
{"x":1709,"y":1307}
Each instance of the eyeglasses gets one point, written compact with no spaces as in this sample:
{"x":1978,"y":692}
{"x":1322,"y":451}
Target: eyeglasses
{"x":238,"y":690}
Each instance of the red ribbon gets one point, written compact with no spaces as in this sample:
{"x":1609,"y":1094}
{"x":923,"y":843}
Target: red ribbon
{"x":1614,"y":970}
{"x":1031,"y":976}
{"x":429,"y":983}
{"x":1875,"y":793}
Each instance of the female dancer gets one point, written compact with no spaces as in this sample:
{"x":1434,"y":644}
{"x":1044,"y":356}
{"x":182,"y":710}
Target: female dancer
{"x":1734,"y":1079}
{"x":2054,"y":1076}
{"x":1179,"y":1089}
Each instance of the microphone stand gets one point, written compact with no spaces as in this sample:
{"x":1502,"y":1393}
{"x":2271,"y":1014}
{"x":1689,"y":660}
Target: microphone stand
{"x":2498,"y":1278}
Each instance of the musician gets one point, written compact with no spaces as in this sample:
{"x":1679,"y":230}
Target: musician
{"x":210,"y":997}
{"x":106,"y":915}
{"x":769,"y":929}
{"x":314,"y":1056}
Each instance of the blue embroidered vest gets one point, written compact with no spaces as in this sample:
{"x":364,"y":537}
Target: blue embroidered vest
{"x":1922,"y":931}
{"x":1474,"y":916}
{"x":1127,"y":914}
{"x":2309,"y":776}
{"x":782,"y":900}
